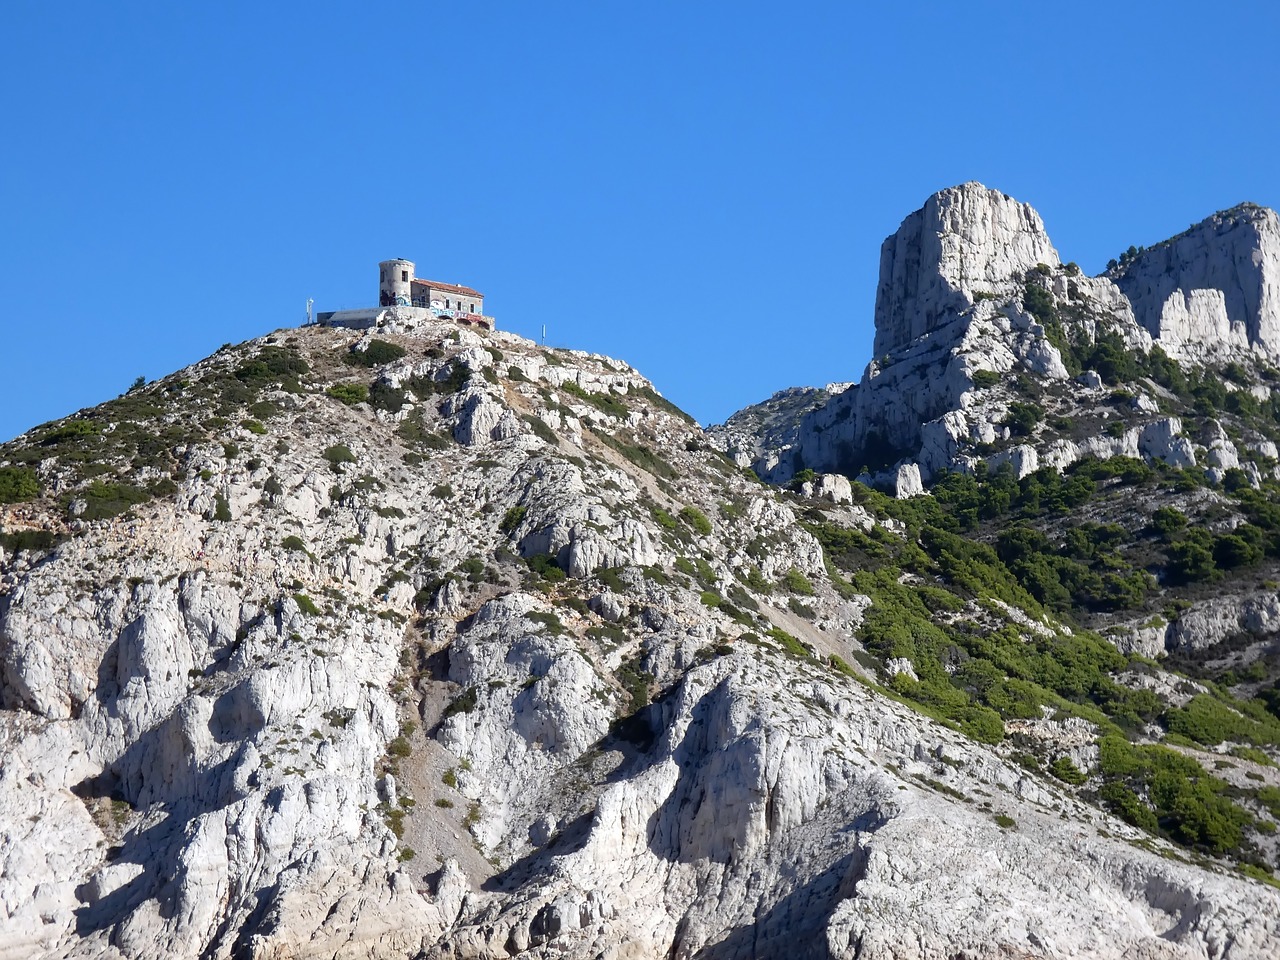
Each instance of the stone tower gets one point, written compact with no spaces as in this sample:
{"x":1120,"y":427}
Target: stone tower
{"x":395,"y":278}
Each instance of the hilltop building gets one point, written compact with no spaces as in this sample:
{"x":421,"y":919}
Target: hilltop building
{"x":404,"y":298}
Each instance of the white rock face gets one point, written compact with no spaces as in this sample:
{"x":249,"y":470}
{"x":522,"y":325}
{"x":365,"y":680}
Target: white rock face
{"x":907,"y":482}
{"x":952,"y":304}
{"x":833,"y":487}
{"x":1212,"y":289}
{"x":964,"y":239}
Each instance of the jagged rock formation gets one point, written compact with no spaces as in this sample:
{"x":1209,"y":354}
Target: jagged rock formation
{"x":1212,"y":290}
{"x":442,"y":645}
{"x":963,"y":241}
{"x":972,"y":294}
{"x":772,"y":424}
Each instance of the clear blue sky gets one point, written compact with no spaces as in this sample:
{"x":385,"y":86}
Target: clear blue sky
{"x":700,"y":189}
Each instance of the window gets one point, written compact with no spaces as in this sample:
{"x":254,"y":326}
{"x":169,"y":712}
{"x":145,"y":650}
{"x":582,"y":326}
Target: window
{"x":473,"y":308}
{"x":404,"y":276}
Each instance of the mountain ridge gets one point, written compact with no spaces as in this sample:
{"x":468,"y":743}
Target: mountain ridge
{"x":971,"y":285}
{"x":444,"y":644}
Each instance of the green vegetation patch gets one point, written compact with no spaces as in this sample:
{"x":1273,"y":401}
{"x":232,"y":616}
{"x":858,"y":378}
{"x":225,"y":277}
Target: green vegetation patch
{"x":349,"y":393}
{"x":338,"y":454}
{"x":18,"y":484}
{"x":106,"y":500}
{"x":696,"y":519}
{"x":1163,"y":792}
{"x":638,"y":454}
{"x":377,"y":353}
{"x":606,"y":403}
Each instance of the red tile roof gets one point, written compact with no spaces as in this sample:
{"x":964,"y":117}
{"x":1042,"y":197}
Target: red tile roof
{"x":454,"y":288}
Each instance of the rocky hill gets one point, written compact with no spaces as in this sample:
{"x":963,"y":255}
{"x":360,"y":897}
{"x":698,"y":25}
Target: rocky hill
{"x":976,"y":314}
{"x":440,"y":644}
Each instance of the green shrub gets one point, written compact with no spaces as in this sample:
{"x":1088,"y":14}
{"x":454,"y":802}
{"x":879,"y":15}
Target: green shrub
{"x":606,"y":403}
{"x":465,"y":702}
{"x":789,"y":643}
{"x":696,"y":519}
{"x":294,"y":543}
{"x":18,"y":484}
{"x":797,"y":582}
{"x":106,"y":500}
{"x":1183,"y":801}
{"x":253,"y":426}
{"x":638,"y":454}
{"x":383,"y":396}
{"x":338,"y":454}
{"x":1207,"y":720}
{"x":37,"y":540}
{"x":664,"y":519}
{"x":306,"y":605}
{"x":378,"y":352}
{"x":1168,"y":521}
{"x":511,"y":519}
{"x":70,"y":430}
{"x":982,"y":379}
{"x":221,"y":509}
{"x":400,"y":748}
{"x":548,"y":620}
{"x":1066,"y":771}
{"x":544,"y":565}
{"x":272,"y":363}
{"x":1023,"y":418}
{"x":349,"y":393}
{"x":801,"y":478}
{"x":412,"y":432}
{"x":541,"y":430}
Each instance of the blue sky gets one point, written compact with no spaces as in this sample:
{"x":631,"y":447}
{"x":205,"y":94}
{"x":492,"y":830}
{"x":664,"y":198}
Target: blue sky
{"x":700,"y":189}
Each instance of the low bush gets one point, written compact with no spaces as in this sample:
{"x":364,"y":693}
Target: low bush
{"x":383,"y":396}
{"x":306,"y":605}
{"x":377,"y":353}
{"x":338,"y":454}
{"x":511,"y":519}
{"x":797,"y":582}
{"x":696,"y":519}
{"x":349,"y":393}
{"x":18,"y":484}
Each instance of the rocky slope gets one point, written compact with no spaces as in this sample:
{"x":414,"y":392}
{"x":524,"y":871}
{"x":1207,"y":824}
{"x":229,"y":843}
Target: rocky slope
{"x":973,"y":295}
{"x":438,"y":644}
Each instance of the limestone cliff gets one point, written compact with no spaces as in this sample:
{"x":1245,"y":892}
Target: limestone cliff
{"x":439,"y":644}
{"x":965,"y":240}
{"x":973,"y":296}
{"x":1212,"y":290}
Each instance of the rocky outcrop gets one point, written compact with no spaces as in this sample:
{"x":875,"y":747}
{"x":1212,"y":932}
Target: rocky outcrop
{"x":1212,"y":290}
{"x":965,"y":240}
{"x":757,"y":432}
{"x":967,"y":286}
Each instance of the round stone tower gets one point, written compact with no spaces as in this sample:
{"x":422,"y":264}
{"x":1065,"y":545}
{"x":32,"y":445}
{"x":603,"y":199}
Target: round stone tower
{"x":394,"y":281}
